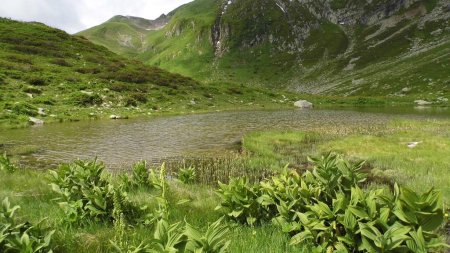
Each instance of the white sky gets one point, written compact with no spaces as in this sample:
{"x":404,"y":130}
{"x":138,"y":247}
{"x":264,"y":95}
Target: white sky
{"x":76,"y":15}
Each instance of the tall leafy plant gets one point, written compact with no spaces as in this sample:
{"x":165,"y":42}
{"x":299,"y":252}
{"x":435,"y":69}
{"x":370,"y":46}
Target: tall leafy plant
{"x":328,"y":207}
{"x":86,"y":194}
{"x":21,"y":237}
{"x":6,"y":164}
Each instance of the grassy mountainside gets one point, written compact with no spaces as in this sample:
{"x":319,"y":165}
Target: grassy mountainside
{"x":340,"y":47}
{"x":49,"y":74}
{"x":124,"y":34}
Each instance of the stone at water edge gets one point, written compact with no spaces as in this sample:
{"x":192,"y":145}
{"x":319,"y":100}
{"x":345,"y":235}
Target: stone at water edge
{"x":422,"y":102}
{"x":303,"y":104}
{"x":36,"y":121}
{"x":114,"y":117}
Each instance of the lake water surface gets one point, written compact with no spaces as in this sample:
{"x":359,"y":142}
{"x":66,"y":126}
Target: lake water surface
{"x":122,"y":142}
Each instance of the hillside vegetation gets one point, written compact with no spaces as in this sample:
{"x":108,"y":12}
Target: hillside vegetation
{"x":388,"y":48}
{"x":48,"y":74}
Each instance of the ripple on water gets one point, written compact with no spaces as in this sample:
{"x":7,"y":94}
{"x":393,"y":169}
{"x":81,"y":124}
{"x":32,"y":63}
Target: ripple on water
{"x":121,"y":143}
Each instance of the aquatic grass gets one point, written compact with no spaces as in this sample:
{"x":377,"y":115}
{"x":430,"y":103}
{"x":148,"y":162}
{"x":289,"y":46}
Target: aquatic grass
{"x":210,"y":170}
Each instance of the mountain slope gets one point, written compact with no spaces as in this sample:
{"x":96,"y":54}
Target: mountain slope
{"x":47,"y":73}
{"x":125,"y":34}
{"x":312,"y":46}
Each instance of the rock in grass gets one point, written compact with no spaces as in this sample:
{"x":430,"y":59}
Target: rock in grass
{"x":413,"y":144}
{"x":41,"y":111}
{"x":422,"y":102}
{"x":303,"y":104}
{"x":36,"y":121}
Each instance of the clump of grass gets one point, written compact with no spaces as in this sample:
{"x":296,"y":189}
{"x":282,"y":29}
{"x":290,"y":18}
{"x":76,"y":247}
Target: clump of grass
{"x":83,"y":99}
{"x":210,"y":170}
{"x":23,"y":109}
{"x":37,"y":81}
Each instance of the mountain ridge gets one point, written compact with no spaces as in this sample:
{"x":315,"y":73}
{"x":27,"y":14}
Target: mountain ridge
{"x":305,"y":45}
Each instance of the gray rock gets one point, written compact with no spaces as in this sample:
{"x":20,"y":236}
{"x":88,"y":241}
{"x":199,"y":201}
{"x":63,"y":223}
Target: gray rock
{"x":36,"y":121}
{"x":41,"y":111}
{"x":87,"y":92}
{"x":303,"y":104}
{"x":413,"y":144}
{"x":422,"y":102}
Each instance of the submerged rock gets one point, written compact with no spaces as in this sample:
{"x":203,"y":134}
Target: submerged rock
{"x":303,"y":104}
{"x":36,"y":121}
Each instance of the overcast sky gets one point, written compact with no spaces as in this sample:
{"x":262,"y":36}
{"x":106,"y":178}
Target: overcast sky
{"x":76,"y":15}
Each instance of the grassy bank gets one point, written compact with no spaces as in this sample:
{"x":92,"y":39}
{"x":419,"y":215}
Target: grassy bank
{"x":385,"y":148}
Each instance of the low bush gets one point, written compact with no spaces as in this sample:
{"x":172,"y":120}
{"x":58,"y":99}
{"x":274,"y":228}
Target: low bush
{"x":240,"y":199}
{"x":327,"y":207}
{"x":61,"y":62}
{"x":21,"y":237}
{"x":2,"y":79}
{"x":187,"y":175}
{"x":20,"y":59}
{"x":23,"y":109}
{"x":139,"y":97}
{"x":86,"y":194}
{"x":83,"y":99}
{"x":32,"y":90}
{"x":143,"y":177}
{"x":37,"y":81}
{"x":6,"y":164}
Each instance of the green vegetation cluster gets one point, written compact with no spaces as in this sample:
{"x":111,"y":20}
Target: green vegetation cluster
{"x":331,"y":205}
{"x":327,"y":206}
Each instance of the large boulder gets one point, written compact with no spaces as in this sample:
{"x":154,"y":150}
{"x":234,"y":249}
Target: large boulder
{"x":303,"y":104}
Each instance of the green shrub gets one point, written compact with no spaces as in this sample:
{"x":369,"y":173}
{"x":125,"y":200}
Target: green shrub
{"x":23,"y":109}
{"x":2,"y":79}
{"x":32,"y":90}
{"x":326,"y":206}
{"x":176,"y":238}
{"x":20,"y":59}
{"x":240,"y":199}
{"x":83,"y":99}
{"x":121,"y":87}
{"x":46,"y":100}
{"x":213,"y":241}
{"x":187,"y":175}
{"x":6,"y":164}
{"x":21,"y":237}
{"x":37,"y":81}
{"x":142,"y":176}
{"x":61,"y":62}
{"x":139,"y":97}
{"x":130,"y":102}
{"x":86,"y":194}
